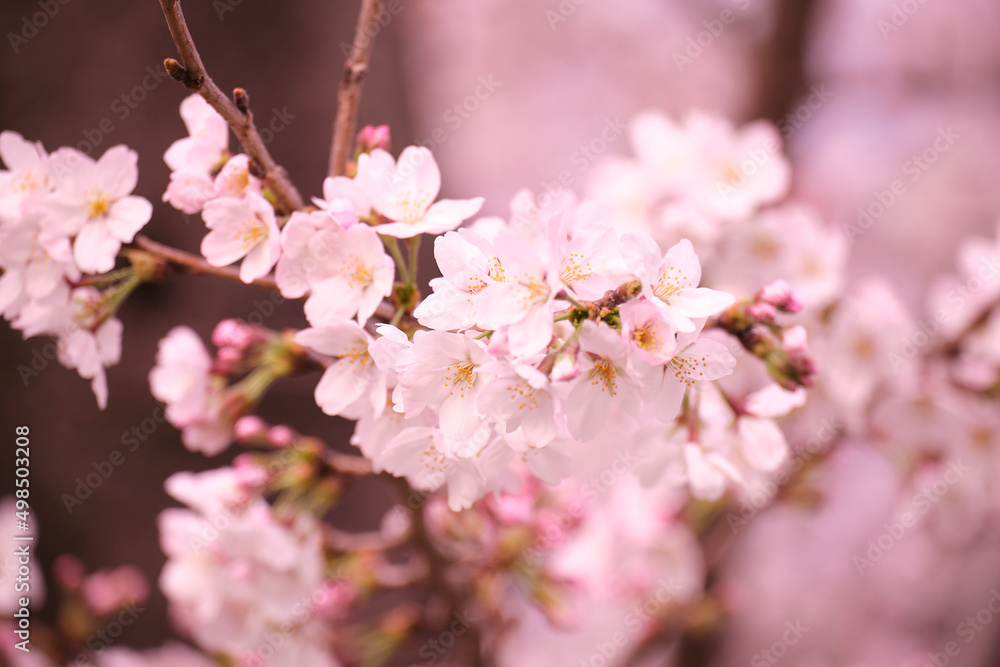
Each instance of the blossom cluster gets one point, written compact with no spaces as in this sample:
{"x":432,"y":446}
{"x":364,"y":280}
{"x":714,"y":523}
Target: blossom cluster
{"x":625,"y":332}
{"x":64,"y":218}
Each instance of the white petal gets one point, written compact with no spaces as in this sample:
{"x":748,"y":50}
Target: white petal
{"x":763,"y":444}
{"x":127,"y":216}
{"x":119,"y":171}
{"x":95,"y":248}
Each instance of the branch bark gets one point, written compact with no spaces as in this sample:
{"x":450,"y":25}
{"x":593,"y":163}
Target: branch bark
{"x":349,"y":93}
{"x":193,"y":75}
{"x":194,"y":263}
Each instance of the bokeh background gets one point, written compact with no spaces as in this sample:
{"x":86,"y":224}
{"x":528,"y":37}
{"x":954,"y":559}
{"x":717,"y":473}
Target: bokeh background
{"x":506,"y":92}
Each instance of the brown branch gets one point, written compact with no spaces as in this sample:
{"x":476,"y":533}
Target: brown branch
{"x":347,"y":542}
{"x":347,"y":464}
{"x":349,"y":94}
{"x":782,"y":75}
{"x":438,"y":564}
{"x":194,"y":263}
{"x":193,"y":75}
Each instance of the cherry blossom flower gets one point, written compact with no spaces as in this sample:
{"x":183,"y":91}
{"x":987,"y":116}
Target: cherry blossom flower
{"x":519,"y":295}
{"x":352,"y":385}
{"x":182,"y":379}
{"x":404,"y":192}
{"x":761,"y":441}
{"x":234,"y":573}
{"x":646,"y":331}
{"x":358,"y":271}
{"x":27,"y":173}
{"x":32,"y":270}
{"x":171,"y":654}
{"x":697,"y":360}
{"x":242,"y":229}
{"x":464,"y":259}
{"x":671,"y":282}
{"x":521,"y":398}
{"x":204,"y":148}
{"x":91,"y":201}
{"x":429,"y":460}
{"x":735,"y":171}
{"x":298,"y":269}
{"x":605,"y":379}
{"x":445,"y":373}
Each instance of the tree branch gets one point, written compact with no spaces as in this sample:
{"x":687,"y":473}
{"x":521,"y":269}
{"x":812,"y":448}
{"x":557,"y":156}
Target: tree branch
{"x":194,"y":263}
{"x":193,"y":75}
{"x":349,"y":94}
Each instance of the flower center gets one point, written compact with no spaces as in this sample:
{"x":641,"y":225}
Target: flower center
{"x":461,"y":377}
{"x":251,"y":232}
{"x":575,"y":269}
{"x":524,"y":395}
{"x":670,"y":283}
{"x":646,"y":338}
{"x":358,"y":274}
{"x":414,"y":204}
{"x":25,"y":181}
{"x":605,"y":374}
{"x":96,"y":204}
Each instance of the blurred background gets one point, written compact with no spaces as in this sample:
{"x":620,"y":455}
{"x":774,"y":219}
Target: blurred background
{"x":508,"y":95}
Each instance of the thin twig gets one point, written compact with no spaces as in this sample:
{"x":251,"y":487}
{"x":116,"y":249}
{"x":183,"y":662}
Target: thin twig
{"x":194,"y":77}
{"x":349,"y":93}
{"x":347,"y":464}
{"x":375,"y":540}
{"x":195,"y":263}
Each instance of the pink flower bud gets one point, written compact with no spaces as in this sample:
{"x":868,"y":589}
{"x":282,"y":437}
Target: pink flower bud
{"x":249,"y":474}
{"x":69,"y":571}
{"x":334,"y":598}
{"x":233,"y":333}
{"x":511,"y":510}
{"x":106,"y":590}
{"x":371,"y":137}
{"x":795,"y":339}
{"x":567,"y":367}
{"x":226,"y":360}
{"x":249,"y":427}
{"x":281,"y":436}
{"x":342,"y":210}
{"x":763,"y":311}
{"x":779,"y":294}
